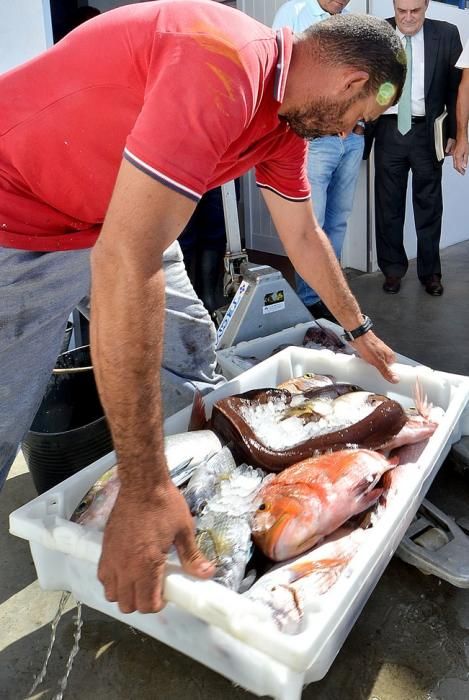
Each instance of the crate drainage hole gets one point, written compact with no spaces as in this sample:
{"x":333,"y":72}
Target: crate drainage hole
{"x":75,"y":648}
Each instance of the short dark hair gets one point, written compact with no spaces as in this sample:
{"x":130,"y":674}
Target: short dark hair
{"x":366,"y":43}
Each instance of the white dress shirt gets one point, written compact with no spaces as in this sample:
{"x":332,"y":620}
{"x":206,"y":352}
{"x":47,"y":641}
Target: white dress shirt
{"x":418,"y":74}
{"x":299,"y":15}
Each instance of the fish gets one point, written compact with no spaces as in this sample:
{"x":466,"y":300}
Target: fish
{"x":307,"y":381}
{"x":258,"y":424}
{"x":184,"y":452}
{"x":422,"y":421}
{"x":203,"y":483}
{"x":220,"y":485}
{"x":322,"y":337}
{"x":226,"y":541}
{"x":95,"y":507}
{"x":285,"y":591}
{"x":317,"y":403}
{"x":223,"y":497}
{"x":309,"y":500}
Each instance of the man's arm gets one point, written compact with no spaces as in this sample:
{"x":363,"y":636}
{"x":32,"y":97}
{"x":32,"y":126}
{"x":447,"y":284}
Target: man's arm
{"x":313,"y":257}
{"x":127,"y":323}
{"x":461,"y":150}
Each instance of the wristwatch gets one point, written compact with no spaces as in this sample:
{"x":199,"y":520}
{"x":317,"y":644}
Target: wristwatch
{"x":360,"y":330}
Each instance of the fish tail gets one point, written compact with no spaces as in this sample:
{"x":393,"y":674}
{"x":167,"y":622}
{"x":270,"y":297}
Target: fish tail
{"x":198,"y":419}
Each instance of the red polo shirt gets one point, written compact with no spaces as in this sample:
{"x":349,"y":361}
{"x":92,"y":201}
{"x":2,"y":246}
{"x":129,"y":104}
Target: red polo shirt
{"x":187,"y":91}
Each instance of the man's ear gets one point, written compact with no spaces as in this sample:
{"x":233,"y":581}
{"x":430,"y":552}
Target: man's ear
{"x":354,"y":82}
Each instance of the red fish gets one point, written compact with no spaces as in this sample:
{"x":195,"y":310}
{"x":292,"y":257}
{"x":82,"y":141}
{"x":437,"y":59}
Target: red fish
{"x":310,"y":500}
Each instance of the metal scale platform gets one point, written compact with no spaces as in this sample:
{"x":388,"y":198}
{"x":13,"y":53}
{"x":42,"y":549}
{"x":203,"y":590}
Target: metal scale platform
{"x":262,"y":301}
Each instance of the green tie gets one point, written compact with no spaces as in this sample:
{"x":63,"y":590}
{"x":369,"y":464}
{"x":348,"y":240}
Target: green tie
{"x":404,"y":111}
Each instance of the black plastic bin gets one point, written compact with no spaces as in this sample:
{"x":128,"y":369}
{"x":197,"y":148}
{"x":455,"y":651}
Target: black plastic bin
{"x":69,"y":430}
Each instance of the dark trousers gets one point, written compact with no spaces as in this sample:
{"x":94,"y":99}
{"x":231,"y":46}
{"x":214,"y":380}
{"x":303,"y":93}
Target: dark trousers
{"x":395,"y":155}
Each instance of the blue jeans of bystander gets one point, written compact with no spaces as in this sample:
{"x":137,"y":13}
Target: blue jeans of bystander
{"x":333,"y":167}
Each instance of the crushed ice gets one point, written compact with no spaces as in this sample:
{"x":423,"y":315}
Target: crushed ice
{"x":272,"y":430}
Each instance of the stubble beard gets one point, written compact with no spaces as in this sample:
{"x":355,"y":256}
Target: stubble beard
{"x":323,"y":117}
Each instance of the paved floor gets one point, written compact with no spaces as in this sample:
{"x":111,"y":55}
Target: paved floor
{"x":411,"y":641}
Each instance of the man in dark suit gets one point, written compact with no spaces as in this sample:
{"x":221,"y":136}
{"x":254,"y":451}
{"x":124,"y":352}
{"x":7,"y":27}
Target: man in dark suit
{"x":404,"y":140}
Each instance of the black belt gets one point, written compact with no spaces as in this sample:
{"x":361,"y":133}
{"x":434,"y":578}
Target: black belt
{"x":414,"y":120}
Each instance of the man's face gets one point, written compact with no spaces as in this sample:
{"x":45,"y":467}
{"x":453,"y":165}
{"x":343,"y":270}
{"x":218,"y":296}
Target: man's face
{"x":331,"y":115}
{"x":410,"y":15}
{"x":333,"y":6}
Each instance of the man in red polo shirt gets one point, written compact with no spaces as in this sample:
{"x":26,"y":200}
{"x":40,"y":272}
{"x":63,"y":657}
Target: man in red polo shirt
{"x":116,"y":132}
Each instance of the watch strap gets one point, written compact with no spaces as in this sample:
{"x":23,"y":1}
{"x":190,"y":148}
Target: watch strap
{"x":360,"y":330}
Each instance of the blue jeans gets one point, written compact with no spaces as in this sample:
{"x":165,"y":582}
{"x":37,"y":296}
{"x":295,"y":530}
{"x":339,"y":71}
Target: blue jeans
{"x":333,"y":167}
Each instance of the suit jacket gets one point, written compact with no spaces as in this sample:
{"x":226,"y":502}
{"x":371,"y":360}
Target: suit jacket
{"x":442,"y":47}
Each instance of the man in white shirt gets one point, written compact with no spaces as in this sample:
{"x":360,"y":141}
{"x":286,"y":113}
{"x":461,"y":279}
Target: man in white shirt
{"x":333,"y":161}
{"x":461,"y":150}
{"x":404,"y":140}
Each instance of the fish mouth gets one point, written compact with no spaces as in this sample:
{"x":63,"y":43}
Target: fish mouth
{"x":274,"y":535}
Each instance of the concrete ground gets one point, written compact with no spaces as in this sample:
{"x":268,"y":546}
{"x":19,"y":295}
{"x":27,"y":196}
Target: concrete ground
{"x":411,"y":641}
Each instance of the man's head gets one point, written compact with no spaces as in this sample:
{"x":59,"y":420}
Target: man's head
{"x":333,"y":6}
{"x":410,"y":15}
{"x":346,"y":68}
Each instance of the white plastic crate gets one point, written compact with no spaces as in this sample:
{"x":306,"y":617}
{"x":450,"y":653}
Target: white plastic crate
{"x":232,"y":360}
{"x":220,"y":628}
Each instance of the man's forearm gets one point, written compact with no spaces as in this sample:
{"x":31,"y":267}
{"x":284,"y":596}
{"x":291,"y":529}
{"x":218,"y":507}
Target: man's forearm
{"x":318,"y":266}
{"x":127,"y":323}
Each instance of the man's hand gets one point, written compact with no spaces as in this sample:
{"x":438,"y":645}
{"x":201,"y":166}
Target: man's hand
{"x":377,"y":353}
{"x":137,"y":538}
{"x":460,"y":154}
{"x":450,"y":144}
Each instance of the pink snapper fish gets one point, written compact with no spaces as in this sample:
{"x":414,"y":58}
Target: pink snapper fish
{"x":311,"y":499}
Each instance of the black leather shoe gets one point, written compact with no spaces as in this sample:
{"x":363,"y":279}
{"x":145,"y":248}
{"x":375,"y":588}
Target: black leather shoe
{"x":320,"y":310}
{"x":391,"y":284}
{"x":433,"y":285}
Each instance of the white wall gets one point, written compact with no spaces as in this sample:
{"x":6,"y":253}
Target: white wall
{"x":25,"y":30}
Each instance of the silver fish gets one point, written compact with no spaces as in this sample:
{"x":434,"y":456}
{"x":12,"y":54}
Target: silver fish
{"x":225,"y":497}
{"x":205,"y":480}
{"x":184,"y":452}
{"x":95,"y":507}
{"x":226,"y":541}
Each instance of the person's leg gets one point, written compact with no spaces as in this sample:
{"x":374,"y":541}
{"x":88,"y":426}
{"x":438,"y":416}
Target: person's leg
{"x":38,"y":291}
{"x":391,"y":175}
{"x":428,"y":206}
{"x":189,"y":358}
{"x":211,"y":248}
{"x":341,"y":191}
{"x":323,"y":157}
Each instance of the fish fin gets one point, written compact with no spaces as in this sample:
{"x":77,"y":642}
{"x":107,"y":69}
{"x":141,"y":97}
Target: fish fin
{"x":422,"y":404}
{"x":302,"y":569}
{"x":369,"y":498}
{"x":198,"y":419}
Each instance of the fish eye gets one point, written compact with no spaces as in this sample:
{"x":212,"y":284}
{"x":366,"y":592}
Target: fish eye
{"x":262,"y":506}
